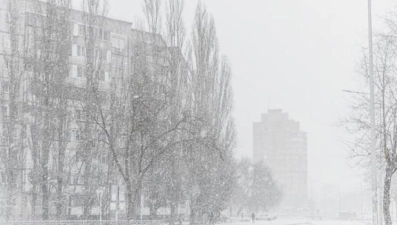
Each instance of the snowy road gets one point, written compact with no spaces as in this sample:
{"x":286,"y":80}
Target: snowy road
{"x":276,"y":222}
{"x":304,"y":222}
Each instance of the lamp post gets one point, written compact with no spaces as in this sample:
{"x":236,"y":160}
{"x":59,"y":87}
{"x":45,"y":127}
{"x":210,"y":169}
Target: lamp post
{"x":375,"y":215}
{"x":374,"y":174}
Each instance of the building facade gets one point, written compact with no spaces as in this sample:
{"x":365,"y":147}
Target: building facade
{"x":282,"y":146}
{"x":98,"y":46}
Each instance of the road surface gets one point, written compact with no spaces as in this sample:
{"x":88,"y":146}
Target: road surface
{"x":304,"y":222}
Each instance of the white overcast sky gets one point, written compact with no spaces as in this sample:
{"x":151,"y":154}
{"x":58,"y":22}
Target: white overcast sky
{"x":297,"y":55}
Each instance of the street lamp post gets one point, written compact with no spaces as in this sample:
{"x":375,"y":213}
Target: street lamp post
{"x":374,"y":174}
{"x":375,"y":215}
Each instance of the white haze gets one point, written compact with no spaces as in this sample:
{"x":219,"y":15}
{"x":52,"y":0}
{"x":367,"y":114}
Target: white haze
{"x":297,"y":55}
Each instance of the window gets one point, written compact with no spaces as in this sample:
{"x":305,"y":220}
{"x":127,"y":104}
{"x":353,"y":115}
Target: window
{"x":75,"y":29}
{"x":29,"y":67}
{"x":78,"y":114}
{"x":29,"y":19}
{"x":114,"y":191}
{"x":3,"y":71}
{"x":118,"y":44}
{"x":6,"y":86}
{"x":73,"y":71}
{"x":3,"y":4}
{"x":15,"y":134}
{"x":119,"y":70}
{"x":76,"y":178}
{"x":74,"y":50}
{"x":67,"y":135}
{"x":99,"y":33}
{"x":108,"y":77}
{"x":103,"y":159}
{"x":103,"y":54}
{"x":80,"y":50}
{"x":96,"y":53}
{"x":4,"y":130}
{"x":102,"y":34}
{"x":6,"y":133}
{"x":16,"y":111}
{"x":91,"y":31}
{"x":78,"y":155}
{"x":123,"y":142}
{"x":7,"y":17}
{"x":4,"y":110}
{"x":102,"y":75}
{"x":4,"y":141}
{"x":77,"y":201}
{"x":106,"y":35}
{"x":82,"y":30}
{"x":121,"y":194}
{"x":80,"y":71}
{"x":121,"y":44}
{"x":78,"y":136}
{"x":6,"y":43}
{"x":3,"y":175}
{"x":108,"y":56}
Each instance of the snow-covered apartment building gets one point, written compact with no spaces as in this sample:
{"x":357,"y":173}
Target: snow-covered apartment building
{"x":115,"y":42}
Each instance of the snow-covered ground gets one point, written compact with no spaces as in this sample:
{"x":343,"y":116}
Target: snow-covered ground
{"x":305,"y":222}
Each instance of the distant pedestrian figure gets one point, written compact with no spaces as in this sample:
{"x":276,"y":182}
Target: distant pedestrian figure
{"x":253,"y":217}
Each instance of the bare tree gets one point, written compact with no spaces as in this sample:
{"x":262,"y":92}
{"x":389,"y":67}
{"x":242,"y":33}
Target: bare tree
{"x":179,"y":82}
{"x":212,"y":105}
{"x":256,"y":190}
{"x":385,"y":106}
{"x":152,"y":12}
{"x":47,"y":53}
{"x":137,"y":129}
{"x":94,"y":12}
{"x":12,"y":154}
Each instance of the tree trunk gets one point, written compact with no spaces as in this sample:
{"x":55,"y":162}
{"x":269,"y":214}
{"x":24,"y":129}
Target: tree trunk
{"x":59,"y":195}
{"x":44,"y":184}
{"x":173,"y":207}
{"x":130,"y":201}
{"x":34,"y":199}
{"x":386,"y":196}
{"x":61,"y":159}
{"x":88,"y":182}
{"x":153,"y":210}
{"x":192,"y":214}
{"x":45,"y":159}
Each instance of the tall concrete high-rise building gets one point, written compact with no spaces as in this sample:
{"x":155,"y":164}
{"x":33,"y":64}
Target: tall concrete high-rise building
{"x":282,"y":146}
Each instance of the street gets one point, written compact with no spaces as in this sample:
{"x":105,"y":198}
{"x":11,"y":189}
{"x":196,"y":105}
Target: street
{"x":307,"y":222}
